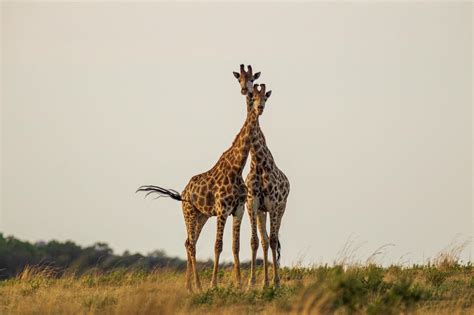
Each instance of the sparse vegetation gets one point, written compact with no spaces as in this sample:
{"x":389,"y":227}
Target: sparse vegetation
{"x":444,"y":285}
{"x":367,"y":289}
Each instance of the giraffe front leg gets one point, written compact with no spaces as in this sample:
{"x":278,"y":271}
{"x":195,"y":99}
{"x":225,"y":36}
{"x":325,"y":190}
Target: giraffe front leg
{"x":237,"y":220}
{"x":252,"y":208}
{"x":262,"y":226}
{"x":221,"y":219}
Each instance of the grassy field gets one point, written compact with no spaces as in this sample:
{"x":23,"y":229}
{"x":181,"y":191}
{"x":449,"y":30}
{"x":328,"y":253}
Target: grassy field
{"x":437,"y":289}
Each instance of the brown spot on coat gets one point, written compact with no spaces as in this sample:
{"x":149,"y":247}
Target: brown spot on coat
{"x":210,"y":198}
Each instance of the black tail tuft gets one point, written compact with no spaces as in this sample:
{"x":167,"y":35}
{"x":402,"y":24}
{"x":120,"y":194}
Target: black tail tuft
{"x":161,"y":192}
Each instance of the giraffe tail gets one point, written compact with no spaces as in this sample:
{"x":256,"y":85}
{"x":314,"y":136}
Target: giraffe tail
{"x":161,"y":192}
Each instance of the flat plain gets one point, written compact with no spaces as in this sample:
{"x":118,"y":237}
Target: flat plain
{"x":443,"y":288}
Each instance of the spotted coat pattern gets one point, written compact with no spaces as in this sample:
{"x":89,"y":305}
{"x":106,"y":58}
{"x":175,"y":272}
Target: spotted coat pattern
{"x":219,"y":192}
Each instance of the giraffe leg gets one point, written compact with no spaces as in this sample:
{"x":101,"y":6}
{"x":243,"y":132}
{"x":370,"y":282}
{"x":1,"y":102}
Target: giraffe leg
{"x":191,"y":251}
{"x":200,"y":221}
{"x":275,"y":220}
{"x":188,"y":268}
{"x":252,"y":208}
{"x":190,"y":244}
{"x":237,"y":220}
{"x":221,"y":219}
{"x":262,"y":226}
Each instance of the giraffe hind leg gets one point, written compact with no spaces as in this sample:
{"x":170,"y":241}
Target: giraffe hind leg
{"x":275,"y":222}
{"x":190,"y":244}
{"x":273,"y":246}
{"x":262,"y":226}
{"x":188,"y":268}
{"x":237,"y":220}
{"x":221,"y":220}
{"x":252,"y":208}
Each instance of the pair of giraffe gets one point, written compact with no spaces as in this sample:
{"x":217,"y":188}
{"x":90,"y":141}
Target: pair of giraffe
{"x":222,"y":192}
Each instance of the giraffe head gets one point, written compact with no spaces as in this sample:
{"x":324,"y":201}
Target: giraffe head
{"x":259,"y":97}
{"x":246,"y":78}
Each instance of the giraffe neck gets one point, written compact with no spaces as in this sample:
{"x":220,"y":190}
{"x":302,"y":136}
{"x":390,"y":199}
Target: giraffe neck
{"x":260,"y":153}
{"x":259,"y":150}
{"x":236,"y":155}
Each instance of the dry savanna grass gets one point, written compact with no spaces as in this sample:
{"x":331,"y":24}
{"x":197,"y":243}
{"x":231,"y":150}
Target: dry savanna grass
{"x":428,"y":289}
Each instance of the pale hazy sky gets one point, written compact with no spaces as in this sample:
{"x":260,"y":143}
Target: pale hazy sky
{"x":370,"y":118}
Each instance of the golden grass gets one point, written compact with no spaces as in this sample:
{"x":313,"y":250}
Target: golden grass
{"x":317,"y":290}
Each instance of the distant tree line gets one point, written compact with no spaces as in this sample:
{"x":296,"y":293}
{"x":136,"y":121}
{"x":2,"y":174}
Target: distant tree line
{"x":16,"y":254}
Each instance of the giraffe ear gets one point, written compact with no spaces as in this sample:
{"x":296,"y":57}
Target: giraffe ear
{"x":267,"y":95}
{"x":236,"y":75}
{"x":256,"y":75}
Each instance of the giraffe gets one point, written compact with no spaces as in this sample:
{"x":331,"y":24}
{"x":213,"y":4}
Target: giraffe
{"x":219,"y":192}
{"x":268,"y":189}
